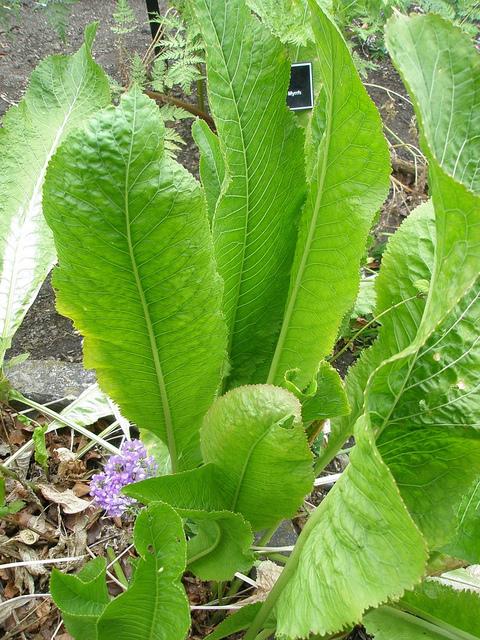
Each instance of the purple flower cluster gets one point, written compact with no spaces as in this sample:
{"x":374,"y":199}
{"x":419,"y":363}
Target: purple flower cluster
{"x":131,"y":465}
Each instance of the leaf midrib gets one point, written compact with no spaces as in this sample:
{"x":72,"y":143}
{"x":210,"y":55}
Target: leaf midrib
{"x":247,"y":190}
{"x":146,"y":313}
{"x":27,"y":215}
{"x":272,"y":375}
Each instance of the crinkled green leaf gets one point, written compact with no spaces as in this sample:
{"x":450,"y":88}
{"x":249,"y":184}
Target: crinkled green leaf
{"x":358,"y":549}
{"x":423,"y":398}
{"x":366,"y":299}
{"x":255,"y":438}
{"x":212,"y":164}
{"x":81,"y":598}
{"x":221,"y":545}
{"x":223,"y":539}
{"x":259,"y":205}
{"x":63,"y":92}
{"x":430,"y":438}
{"x":407,"y":259}
{"x":348,"y":181}
{"x":155,"y":606}
{"x":137,"y":272}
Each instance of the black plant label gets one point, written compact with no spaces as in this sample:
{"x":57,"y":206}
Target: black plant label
{"x":300,"y":91}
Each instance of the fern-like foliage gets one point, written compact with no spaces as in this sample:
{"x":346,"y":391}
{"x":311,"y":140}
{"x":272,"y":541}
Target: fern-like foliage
{"x":124,"y":20}
{"x":180,"y":59}
{"x":58,"y":15}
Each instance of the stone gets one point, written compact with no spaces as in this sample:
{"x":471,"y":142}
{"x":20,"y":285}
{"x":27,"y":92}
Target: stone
{"x":49,"y":380}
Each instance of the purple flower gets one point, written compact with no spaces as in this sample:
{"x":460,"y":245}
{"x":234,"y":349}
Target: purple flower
{"x":131,"y":465}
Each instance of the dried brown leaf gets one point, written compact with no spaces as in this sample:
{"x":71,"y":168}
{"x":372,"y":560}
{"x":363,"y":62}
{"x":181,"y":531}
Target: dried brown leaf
{"x":69,"y":502}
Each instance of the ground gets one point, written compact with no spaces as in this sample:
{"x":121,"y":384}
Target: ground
{"x":46,"y":335}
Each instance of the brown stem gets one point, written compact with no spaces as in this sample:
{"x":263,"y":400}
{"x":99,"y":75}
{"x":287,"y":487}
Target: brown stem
{"x":191,"y":108}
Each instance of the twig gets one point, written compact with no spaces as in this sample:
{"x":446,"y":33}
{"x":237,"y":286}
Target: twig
{"x":327,"y":481}
{"x":191,"y":108}
{"x":29,"y":563}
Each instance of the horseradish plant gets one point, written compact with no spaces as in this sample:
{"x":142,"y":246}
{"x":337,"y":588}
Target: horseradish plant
{"x":209,"y":312}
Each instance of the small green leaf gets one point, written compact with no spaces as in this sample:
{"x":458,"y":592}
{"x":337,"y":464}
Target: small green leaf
{"x":255,"y":437}
{"x":155,"y":607}
{"x":41,"y":452}
{"x":81,"y":598}
{"x":221,"y":545}
{"x":212,"y":164}
{"x":324,"y":398}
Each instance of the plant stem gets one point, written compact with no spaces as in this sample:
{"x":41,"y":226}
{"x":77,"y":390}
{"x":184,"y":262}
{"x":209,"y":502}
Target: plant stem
{"x":287,"y":573}
{"x":266,"y":536}
{"x":117,"y":568}
{"x":369,"y":324}
{"x":263,"y":635}
{"x":201,"y":92}
{"x":191,"y":108}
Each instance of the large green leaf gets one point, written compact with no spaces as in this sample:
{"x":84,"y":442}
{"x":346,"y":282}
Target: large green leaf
{"x":348,"y":181}
{"x":359,"y":548}
{"x":257,"y":212}
{"x":423,"y":397}
{"x":430,"y":437}
{"x":137,"y":272}
{"x":407,"y":262}
{"x":445,"y":91}
{"x":63,"y":92}
{"x":81,"y":598}
{"x":255,"y":438}
{"x":155,"y":606}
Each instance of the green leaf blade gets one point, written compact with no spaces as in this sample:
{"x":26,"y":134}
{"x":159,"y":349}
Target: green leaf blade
{"x":155,"y":606}
{"x":137,"y":273}
{"x":258,"y":208}
{"x":348,"y":181}
{"x":63,"y":93}
{"x":81,"y":598}
{"x":361,"y":526}
{"x":221,"y":546}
